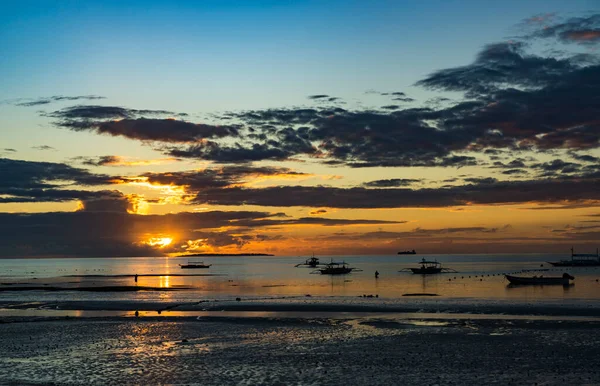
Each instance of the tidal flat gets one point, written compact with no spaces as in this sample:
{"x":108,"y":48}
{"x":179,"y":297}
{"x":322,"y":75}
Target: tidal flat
{"x":224,"y":350}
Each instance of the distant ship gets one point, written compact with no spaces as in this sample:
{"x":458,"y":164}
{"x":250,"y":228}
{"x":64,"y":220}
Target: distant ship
{"x":579,"y":260}
{"x":413,"y":252}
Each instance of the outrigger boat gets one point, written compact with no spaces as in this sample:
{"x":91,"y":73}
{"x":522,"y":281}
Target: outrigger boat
{"x":194,"y":264}
{"x":540,"y":280}
{"x":428,"y":268}
{"x":335,"y":268}
{"x":579,"y":260}
{"x":313,"y":262}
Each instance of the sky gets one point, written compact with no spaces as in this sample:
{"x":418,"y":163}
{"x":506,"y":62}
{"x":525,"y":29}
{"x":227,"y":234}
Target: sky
{"x":143,"y":128}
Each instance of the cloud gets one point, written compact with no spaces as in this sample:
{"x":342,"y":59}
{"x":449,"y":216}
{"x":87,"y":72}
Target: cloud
{"x":30,"y":181}
{"x":393,"y":182}
{"x":499,"y":66}
{"x":318,"y":212}
{"x":10,"y":150}
{"x":55,"y":98}
{"x":313,"y":221}
{"x":580,"y":30}
{"x":502,"y":192}
{"x":43,"y":147}
{"x":198,"y":180}
{"x":115,"y":160}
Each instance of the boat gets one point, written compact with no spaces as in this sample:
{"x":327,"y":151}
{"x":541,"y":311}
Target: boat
{"x":428,"y":268}
{"x":413,"y":252}
{"x":194,"y":264}
{"x":312,"y":262}
{"x":540,"y":280}
{"x":579,"y":260}
{"x":336,"y":268}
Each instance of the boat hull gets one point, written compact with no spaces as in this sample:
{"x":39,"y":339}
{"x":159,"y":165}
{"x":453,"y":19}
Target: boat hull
{"x":537,"y":280}
{"x":194,"y":266}
{"x":335,"y":271}
{"x":426,"y":271}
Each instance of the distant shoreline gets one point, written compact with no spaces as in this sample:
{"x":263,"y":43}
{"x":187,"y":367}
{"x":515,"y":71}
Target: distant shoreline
{"x":224,"y":254}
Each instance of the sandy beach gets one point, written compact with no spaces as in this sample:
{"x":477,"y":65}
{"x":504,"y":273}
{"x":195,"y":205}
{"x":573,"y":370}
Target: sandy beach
{"x":347,"y":349}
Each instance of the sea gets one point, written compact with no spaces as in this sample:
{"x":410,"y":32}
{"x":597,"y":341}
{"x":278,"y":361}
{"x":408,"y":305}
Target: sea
{"x":477,"y":277}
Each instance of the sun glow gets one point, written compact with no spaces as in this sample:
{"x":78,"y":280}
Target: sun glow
{"x":159,"y":242}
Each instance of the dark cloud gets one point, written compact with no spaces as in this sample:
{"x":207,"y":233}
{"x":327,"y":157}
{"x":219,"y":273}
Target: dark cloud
{"x":318,"y":212}
{"x":29,"y":181}
{"x":393,"y":182}
{"x":56,"y":98}
{"x":497,"y":66}
{"x":116,"y":202}
{"x":403,"y":99}
{"x":478,"y":180}
{"x":557,"y":166}
{"x":584,"y":157}
{"x":10,"y":150}
{"x":510,"y":172}
{"x":219,"y":177}
{"x":500,"y":192}
{"x":95,"y":112}
{"x":101,"y":160}
{"x":390,"y":107}
{"x":312,"y":221}
{"x":318,"y":96}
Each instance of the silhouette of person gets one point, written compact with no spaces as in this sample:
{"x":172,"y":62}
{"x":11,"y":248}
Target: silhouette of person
{"x":376,"y":274}
{"x":136,"y":277}
{"x":137,"y":313}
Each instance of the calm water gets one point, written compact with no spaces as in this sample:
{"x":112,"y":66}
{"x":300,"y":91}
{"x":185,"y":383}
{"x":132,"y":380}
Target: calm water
{"x":479,"y":277}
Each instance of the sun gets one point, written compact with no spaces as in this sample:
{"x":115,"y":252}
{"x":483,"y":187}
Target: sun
{"x":159,"y":242}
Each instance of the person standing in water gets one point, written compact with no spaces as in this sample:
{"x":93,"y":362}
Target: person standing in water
{"x":136,"y":277}
{"x":376,"y":274}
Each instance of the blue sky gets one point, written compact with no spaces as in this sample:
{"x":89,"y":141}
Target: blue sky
{"x":91,"y":96}
{"x":218,"y":55}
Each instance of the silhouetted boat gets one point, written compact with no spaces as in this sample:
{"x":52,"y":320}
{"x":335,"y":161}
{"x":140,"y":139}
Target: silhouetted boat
{"x":413,"y":252}
{"x":313,"y":262}
{"x":428,"y":268}
{"x":540,"y":280}
{"x":579,"y":260}
{"x":194,"y":264}
{"x":335,"y":268}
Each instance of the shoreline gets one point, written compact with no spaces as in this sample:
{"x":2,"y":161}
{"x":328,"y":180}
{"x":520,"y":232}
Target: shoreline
{"x":314,"y":305}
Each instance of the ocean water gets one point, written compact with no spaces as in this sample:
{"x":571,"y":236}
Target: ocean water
{"x":479,"y":277}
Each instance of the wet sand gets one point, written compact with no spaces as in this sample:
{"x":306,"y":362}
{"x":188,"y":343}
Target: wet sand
{"x":304,"y":351}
